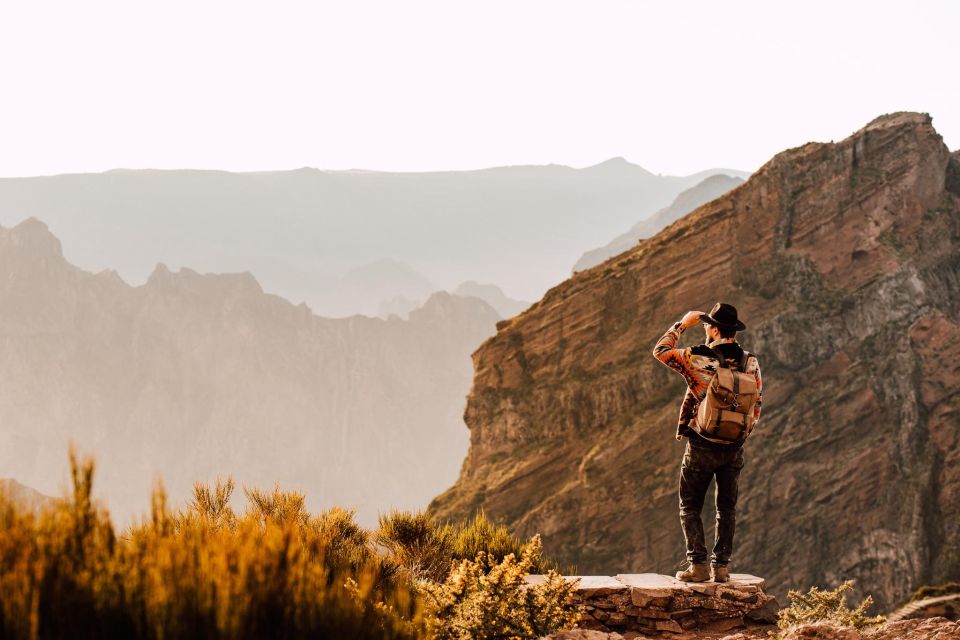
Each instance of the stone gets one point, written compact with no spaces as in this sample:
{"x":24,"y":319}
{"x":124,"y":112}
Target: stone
{"x":649,"y":612}
{"x":707,"y":588}
{"x":821,"y":631}
{"x":667,"y":625}
{"x":688,"y":623}
{"x":652,"y":585}
{"x":585,"y":634}
{"x":617,"y":619}
{"x":921,"y":629}
{"x":725,"y":624}
{"x":765,"y":613}
{"x":591,"y":586}
{"x":746,"y":580}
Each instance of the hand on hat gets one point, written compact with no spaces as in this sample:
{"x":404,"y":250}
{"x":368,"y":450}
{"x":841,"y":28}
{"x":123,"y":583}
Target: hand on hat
{"x":691,"y":318}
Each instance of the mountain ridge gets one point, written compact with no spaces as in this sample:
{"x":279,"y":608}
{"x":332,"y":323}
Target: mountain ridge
{"x":303,"y":232}
{"x":842,"y":260}
{"x":696,"y":196}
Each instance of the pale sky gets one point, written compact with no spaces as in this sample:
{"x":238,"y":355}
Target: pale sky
{"x":415,"y":85}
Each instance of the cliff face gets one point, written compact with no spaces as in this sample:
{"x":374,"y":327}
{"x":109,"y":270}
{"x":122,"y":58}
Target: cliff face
{"x":844,"y":261}
{"x":191,"y":376}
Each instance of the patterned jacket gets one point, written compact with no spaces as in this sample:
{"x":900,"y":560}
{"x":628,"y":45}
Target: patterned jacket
{"x":698,"y":365}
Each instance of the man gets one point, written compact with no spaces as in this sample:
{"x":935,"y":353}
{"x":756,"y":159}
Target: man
{"x":706,"y":456}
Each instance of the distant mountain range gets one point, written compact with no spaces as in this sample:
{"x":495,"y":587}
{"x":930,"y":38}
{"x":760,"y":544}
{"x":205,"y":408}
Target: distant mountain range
{"x":345,"y":241}
{"x":23,"y":495}
{"x":190,"y":376}
{"x":489,"y":293}
{"x":696,"y":196}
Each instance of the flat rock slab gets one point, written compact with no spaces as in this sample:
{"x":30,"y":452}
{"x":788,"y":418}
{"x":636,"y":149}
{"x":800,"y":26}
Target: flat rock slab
{"x":598,"y":585}
{"x":654,"y":585}
{"x":660,"y":582}
{"x":588,"y":586}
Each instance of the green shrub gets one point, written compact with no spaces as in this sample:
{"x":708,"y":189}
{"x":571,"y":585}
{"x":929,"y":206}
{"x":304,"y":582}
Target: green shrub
{"x":487,"y":598}
{"x":826,"y":606}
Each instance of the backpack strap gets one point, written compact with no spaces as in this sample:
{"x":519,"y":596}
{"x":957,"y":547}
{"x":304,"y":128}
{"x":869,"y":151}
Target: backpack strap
{"x":744,"y":360}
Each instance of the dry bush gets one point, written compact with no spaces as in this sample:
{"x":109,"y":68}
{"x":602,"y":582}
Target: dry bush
{"x":203,"y":573}
{"x":417,"y":544}
{"x":826,"y":606}
{"x":272,"y":571}
{"x":487,"y":598}
{"x":427,"y":550}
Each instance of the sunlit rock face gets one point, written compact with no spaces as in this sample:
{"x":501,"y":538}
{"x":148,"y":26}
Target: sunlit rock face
{"x":844,"y":260}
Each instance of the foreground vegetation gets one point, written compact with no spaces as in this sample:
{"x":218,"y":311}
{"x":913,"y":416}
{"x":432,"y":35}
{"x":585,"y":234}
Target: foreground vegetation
{"x":273,"y":571}
{"x":819,"y":605}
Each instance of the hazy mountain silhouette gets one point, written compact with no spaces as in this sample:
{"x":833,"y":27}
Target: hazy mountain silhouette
{"x":489,"y":293}
{"x":703,"y":192}
{"x":192,"y":375}
{"x":492,"y":295}
{"x":12,"y":490}
{"x":301,"y":231}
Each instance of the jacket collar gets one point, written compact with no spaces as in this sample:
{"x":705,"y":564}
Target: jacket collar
{"x":721,"y":341}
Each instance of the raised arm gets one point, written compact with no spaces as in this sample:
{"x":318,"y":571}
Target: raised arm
{"x":666,"y":350}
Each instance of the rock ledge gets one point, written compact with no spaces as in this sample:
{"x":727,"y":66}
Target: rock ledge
{"x":657,"y":604}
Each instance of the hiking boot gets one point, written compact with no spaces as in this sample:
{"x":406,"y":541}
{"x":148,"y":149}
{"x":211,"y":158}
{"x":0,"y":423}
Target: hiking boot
{"x":719,"y":574}
{"x":696,"y":572}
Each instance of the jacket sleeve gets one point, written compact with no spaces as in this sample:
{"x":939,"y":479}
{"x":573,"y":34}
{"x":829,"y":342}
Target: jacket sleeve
{"x":666,"y":351}
{"x":756,"y":406}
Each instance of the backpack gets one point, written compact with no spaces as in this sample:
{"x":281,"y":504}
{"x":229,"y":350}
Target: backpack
{"x":725,"y":415}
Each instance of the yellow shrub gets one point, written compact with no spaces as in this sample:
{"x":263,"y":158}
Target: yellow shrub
{"x":826,"y":606}
{"x":485,"y":599}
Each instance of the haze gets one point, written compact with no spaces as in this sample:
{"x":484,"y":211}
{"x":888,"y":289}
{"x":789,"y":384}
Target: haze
{"x":673,"y":87}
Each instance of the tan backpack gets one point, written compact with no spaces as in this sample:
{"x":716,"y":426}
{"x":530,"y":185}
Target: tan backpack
{"x":725,"y":415}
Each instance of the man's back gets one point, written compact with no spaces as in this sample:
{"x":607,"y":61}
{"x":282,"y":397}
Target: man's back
{"x":698,"y":366}
{"x":707,"y":456}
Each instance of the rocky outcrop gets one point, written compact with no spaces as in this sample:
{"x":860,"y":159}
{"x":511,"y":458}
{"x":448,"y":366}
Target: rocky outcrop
{"x":844,"y":259}
{"x":193,"y":376}
{"x":657,"y":604}
{"x":930,"y":629}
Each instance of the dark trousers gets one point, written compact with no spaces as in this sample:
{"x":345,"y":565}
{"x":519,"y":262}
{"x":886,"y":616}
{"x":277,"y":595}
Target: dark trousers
{"x":700,"y":465}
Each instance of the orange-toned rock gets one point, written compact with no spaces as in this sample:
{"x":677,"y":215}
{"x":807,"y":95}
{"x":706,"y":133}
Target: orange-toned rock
{"x":843,"y":260}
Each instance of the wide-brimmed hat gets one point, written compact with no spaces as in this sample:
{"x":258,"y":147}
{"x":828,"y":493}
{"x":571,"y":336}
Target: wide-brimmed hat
{"x":723,"y":316}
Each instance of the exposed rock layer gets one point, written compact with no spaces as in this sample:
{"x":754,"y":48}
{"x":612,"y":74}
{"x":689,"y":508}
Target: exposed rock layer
{"x":844,"y":260}
{"x":658,"y":604}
